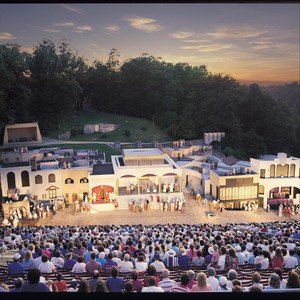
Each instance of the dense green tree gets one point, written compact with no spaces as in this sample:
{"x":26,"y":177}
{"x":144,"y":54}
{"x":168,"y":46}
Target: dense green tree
{"x":142,"y":86}
{"x":170,"y":123}
{"x":15,"y":95}
{"x":183,"y":100}
{"x":95,"y":85}
{"x":270,"y":120}
{"x":281,"y":129}
{"x":112,"y":97}
{"x":53,"y":81}
{"x":254,"y":144}
{"x":254,"y":109}
{"x":187,"y":122}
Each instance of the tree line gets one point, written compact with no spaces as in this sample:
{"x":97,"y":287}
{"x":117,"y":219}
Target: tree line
{"x":183,"y":100}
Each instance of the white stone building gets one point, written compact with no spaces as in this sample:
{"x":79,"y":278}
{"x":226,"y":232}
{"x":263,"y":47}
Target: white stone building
{"x":279,"y":178}
{"x":136,"y":174}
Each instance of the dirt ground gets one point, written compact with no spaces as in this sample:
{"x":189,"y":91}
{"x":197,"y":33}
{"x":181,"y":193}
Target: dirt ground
{"x":194,"y":214}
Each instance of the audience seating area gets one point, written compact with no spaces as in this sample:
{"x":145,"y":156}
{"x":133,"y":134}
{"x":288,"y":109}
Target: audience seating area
{"x":244,"y":274}
{"x":123,"y":238}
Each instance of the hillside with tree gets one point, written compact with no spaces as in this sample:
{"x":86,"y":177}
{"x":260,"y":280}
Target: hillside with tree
{"x":183,"y":100}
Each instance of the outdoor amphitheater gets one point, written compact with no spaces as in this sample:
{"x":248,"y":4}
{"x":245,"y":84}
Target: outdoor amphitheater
{"x":127,"y":232}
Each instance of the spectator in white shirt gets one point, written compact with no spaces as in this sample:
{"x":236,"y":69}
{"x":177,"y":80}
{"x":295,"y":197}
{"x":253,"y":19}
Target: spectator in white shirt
{"x":222,"y":258}
{"x":79,"y":266}
{"x":115,"y":258}
{"x":240,"y":255}
{"x":46,"y":266}
{"x":289,"y":244}
{"x":159,"y":265}
{"x":289,"y":261}
{"x":258,"y":259}
{"x":212,"y":280}
{"x":152,"y":288}
{"x":141,"y":265}
{"x":265,"y":262}
{"x":126,"y":265}
{"x":249,"y":245}
{"x":57,"y":259}
{"x":246,"y":253}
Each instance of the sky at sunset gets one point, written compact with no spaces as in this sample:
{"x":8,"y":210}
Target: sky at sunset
{"x":249,"y":41}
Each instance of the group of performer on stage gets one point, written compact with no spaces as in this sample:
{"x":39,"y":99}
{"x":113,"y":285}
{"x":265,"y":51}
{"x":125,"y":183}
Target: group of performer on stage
{"x":173,"y":204}
{"x":82,"y":206}
{"x":166,"y":204}
{"x":37,"y":209}
{"x":252,"y":207}
{"x":15,"y":215}
{"x":139,"y":206}
{"x":288,"y":210}
{"x":153,"y":188}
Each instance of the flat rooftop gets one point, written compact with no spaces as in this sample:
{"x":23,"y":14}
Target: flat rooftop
{"x":142,"y":152}
{"x":102,"y":169}
{"x":15,"y":164}
{"x":268,"y":157}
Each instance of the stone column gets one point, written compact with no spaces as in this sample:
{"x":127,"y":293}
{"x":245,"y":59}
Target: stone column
{"x":179,"y":183}
{"x":117,"y":187}
{"x":159,"y":184}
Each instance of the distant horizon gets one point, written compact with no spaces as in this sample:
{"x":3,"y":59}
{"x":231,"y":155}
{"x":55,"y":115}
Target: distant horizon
{"x":265,"y":82}
{"x":248,"y":41}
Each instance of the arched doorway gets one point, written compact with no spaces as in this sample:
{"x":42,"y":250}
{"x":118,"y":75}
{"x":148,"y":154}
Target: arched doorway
{"x":102,"y":193}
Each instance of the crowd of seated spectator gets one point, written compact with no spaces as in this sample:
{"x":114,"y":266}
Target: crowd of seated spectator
{"x":208,"y":257}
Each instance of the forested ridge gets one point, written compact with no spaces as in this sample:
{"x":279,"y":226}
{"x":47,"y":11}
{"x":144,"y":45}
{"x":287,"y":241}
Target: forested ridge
{"x":185,"y":101}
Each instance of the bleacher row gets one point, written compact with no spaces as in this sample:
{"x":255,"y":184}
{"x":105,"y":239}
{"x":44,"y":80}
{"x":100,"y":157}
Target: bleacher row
{"x":245,"y":273}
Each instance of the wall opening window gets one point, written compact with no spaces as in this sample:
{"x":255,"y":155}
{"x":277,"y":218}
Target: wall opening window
{"x":25,"y":178}
{"x":84,"y":180}
{"x":69,"y":181}
{"x":38,"y":179}
{"x":51,"y":178}
{"x":11,"y":180}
